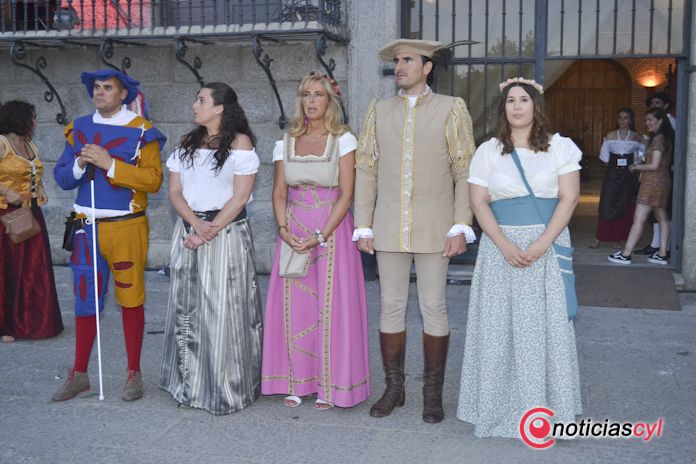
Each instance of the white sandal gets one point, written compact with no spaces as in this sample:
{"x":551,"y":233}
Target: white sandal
{"x":321,"y":405}
{"x":292,"y":401}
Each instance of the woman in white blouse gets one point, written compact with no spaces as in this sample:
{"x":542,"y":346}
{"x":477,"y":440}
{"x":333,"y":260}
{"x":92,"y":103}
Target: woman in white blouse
{"x":315,"y":330}
{"x":620,"y":149}
{"x":520,"y":345}
{"x":212,"y":345}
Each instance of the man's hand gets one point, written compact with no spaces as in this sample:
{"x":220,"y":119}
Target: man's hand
{"x":366,"y":245}
{"x":95,"y":155}
{"x":454,"y":246}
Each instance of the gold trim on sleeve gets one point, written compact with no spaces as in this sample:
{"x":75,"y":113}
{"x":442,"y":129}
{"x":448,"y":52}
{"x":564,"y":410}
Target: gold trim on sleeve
{"x":368,"y":151}
{"x":459,"y":128}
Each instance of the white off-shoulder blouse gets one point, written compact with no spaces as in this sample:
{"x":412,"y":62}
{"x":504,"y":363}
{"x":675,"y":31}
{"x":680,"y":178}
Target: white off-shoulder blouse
{"x":489,"y":168}
{"x":203,"y":188}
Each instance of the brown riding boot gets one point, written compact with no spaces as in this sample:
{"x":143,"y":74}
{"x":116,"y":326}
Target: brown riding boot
{"x":76,"y":382}
{"x":133,"y":388}
{"x":393,"y":356}
{"x":435,"y":351}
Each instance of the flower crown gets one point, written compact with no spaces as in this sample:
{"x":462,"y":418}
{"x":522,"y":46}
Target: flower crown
{"x":331,"y":80}
{"x":521,"y":80}
{"x":334,"y":84}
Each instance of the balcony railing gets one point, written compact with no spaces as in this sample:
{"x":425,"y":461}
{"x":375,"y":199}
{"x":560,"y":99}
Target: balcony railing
{"x":74,"y":19}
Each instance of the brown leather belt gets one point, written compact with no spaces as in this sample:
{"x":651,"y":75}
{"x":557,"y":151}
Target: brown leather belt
{"x":122,"y":218}
{"x":116,"y":218}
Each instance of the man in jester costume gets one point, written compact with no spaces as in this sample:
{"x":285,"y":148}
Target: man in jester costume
{"x":122,"y":151}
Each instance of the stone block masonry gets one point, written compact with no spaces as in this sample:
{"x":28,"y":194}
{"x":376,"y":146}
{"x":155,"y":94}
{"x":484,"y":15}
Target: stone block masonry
{"x":170,"y":89}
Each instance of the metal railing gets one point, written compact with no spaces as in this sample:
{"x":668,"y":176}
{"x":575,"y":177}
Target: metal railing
{"x":100,"y":18}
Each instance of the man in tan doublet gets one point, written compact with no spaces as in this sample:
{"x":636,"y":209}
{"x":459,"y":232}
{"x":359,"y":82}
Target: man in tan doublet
{"x":412,"y":205}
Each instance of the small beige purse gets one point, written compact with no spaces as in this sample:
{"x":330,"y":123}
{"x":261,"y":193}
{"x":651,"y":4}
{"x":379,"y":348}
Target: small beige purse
{"x":292,"y":264}
{"x":20,"y":225}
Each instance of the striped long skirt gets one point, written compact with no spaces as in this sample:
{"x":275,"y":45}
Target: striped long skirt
{"x":213,"y":331}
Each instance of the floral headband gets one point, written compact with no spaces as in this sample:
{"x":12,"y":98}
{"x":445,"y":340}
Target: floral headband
{"x":331,"y":80}
{"x":521,"y":80}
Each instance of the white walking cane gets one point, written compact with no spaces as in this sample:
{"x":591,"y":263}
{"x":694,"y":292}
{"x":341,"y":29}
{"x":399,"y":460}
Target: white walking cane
{"x":90,"y":172}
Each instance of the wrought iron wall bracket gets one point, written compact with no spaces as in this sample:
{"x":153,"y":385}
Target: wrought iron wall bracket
{"x":18,"y":53}
{"x":106,"y":52}
{"x":321,"y":47}
{"x":197,"y":63}
{"x":265,"y":64}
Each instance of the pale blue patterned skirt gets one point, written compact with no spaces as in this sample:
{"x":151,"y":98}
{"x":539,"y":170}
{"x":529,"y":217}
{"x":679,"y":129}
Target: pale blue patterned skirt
{"x":520,"y":347}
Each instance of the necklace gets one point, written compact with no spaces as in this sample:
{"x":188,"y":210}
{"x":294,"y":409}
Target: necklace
{"x":618,"y":135}
{"x":315,"y":137}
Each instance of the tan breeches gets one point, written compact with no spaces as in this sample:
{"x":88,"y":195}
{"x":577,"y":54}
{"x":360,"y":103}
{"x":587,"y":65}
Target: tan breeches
{"x":431,"y":274}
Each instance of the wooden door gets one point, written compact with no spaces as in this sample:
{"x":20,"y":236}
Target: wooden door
{"x":583,"y":101}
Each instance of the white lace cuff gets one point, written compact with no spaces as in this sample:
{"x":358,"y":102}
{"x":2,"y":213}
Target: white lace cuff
{"x":459,"y":229}
{"x":363,"y":232}
{"x":112,"y":170}
{"x":77,"y":171}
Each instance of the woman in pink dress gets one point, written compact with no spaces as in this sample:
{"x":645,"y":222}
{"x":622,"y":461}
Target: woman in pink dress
{"x":315,"y":331}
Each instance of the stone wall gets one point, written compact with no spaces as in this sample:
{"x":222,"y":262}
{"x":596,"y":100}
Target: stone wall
{"x":689,"y":242}
{"x":170,"y":89}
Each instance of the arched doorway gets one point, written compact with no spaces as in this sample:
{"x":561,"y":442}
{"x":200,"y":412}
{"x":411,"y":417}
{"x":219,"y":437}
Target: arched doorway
{"x":583,"y":101}
{"x":589,"y":58}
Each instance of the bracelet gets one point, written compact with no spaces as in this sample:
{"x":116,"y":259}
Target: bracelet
{"x":282,"y":227}
{"x":320,"y":238}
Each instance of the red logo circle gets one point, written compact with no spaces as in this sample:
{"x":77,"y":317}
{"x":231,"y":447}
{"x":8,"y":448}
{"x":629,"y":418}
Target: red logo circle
{"x":534,"y":429}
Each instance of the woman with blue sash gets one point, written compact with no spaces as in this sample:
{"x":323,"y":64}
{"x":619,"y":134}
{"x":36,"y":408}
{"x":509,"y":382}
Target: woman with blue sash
{"x":520,"y":343}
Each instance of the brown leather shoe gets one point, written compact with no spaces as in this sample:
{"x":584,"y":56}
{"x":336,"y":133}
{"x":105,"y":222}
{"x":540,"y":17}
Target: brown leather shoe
{"x":133,"y":389}
{"x":76,"y":383}
{"x":435,"y":351}
{"x":393,"y":357}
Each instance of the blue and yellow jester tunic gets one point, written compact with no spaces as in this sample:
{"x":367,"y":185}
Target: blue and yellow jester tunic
{"x":121,"y":245}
